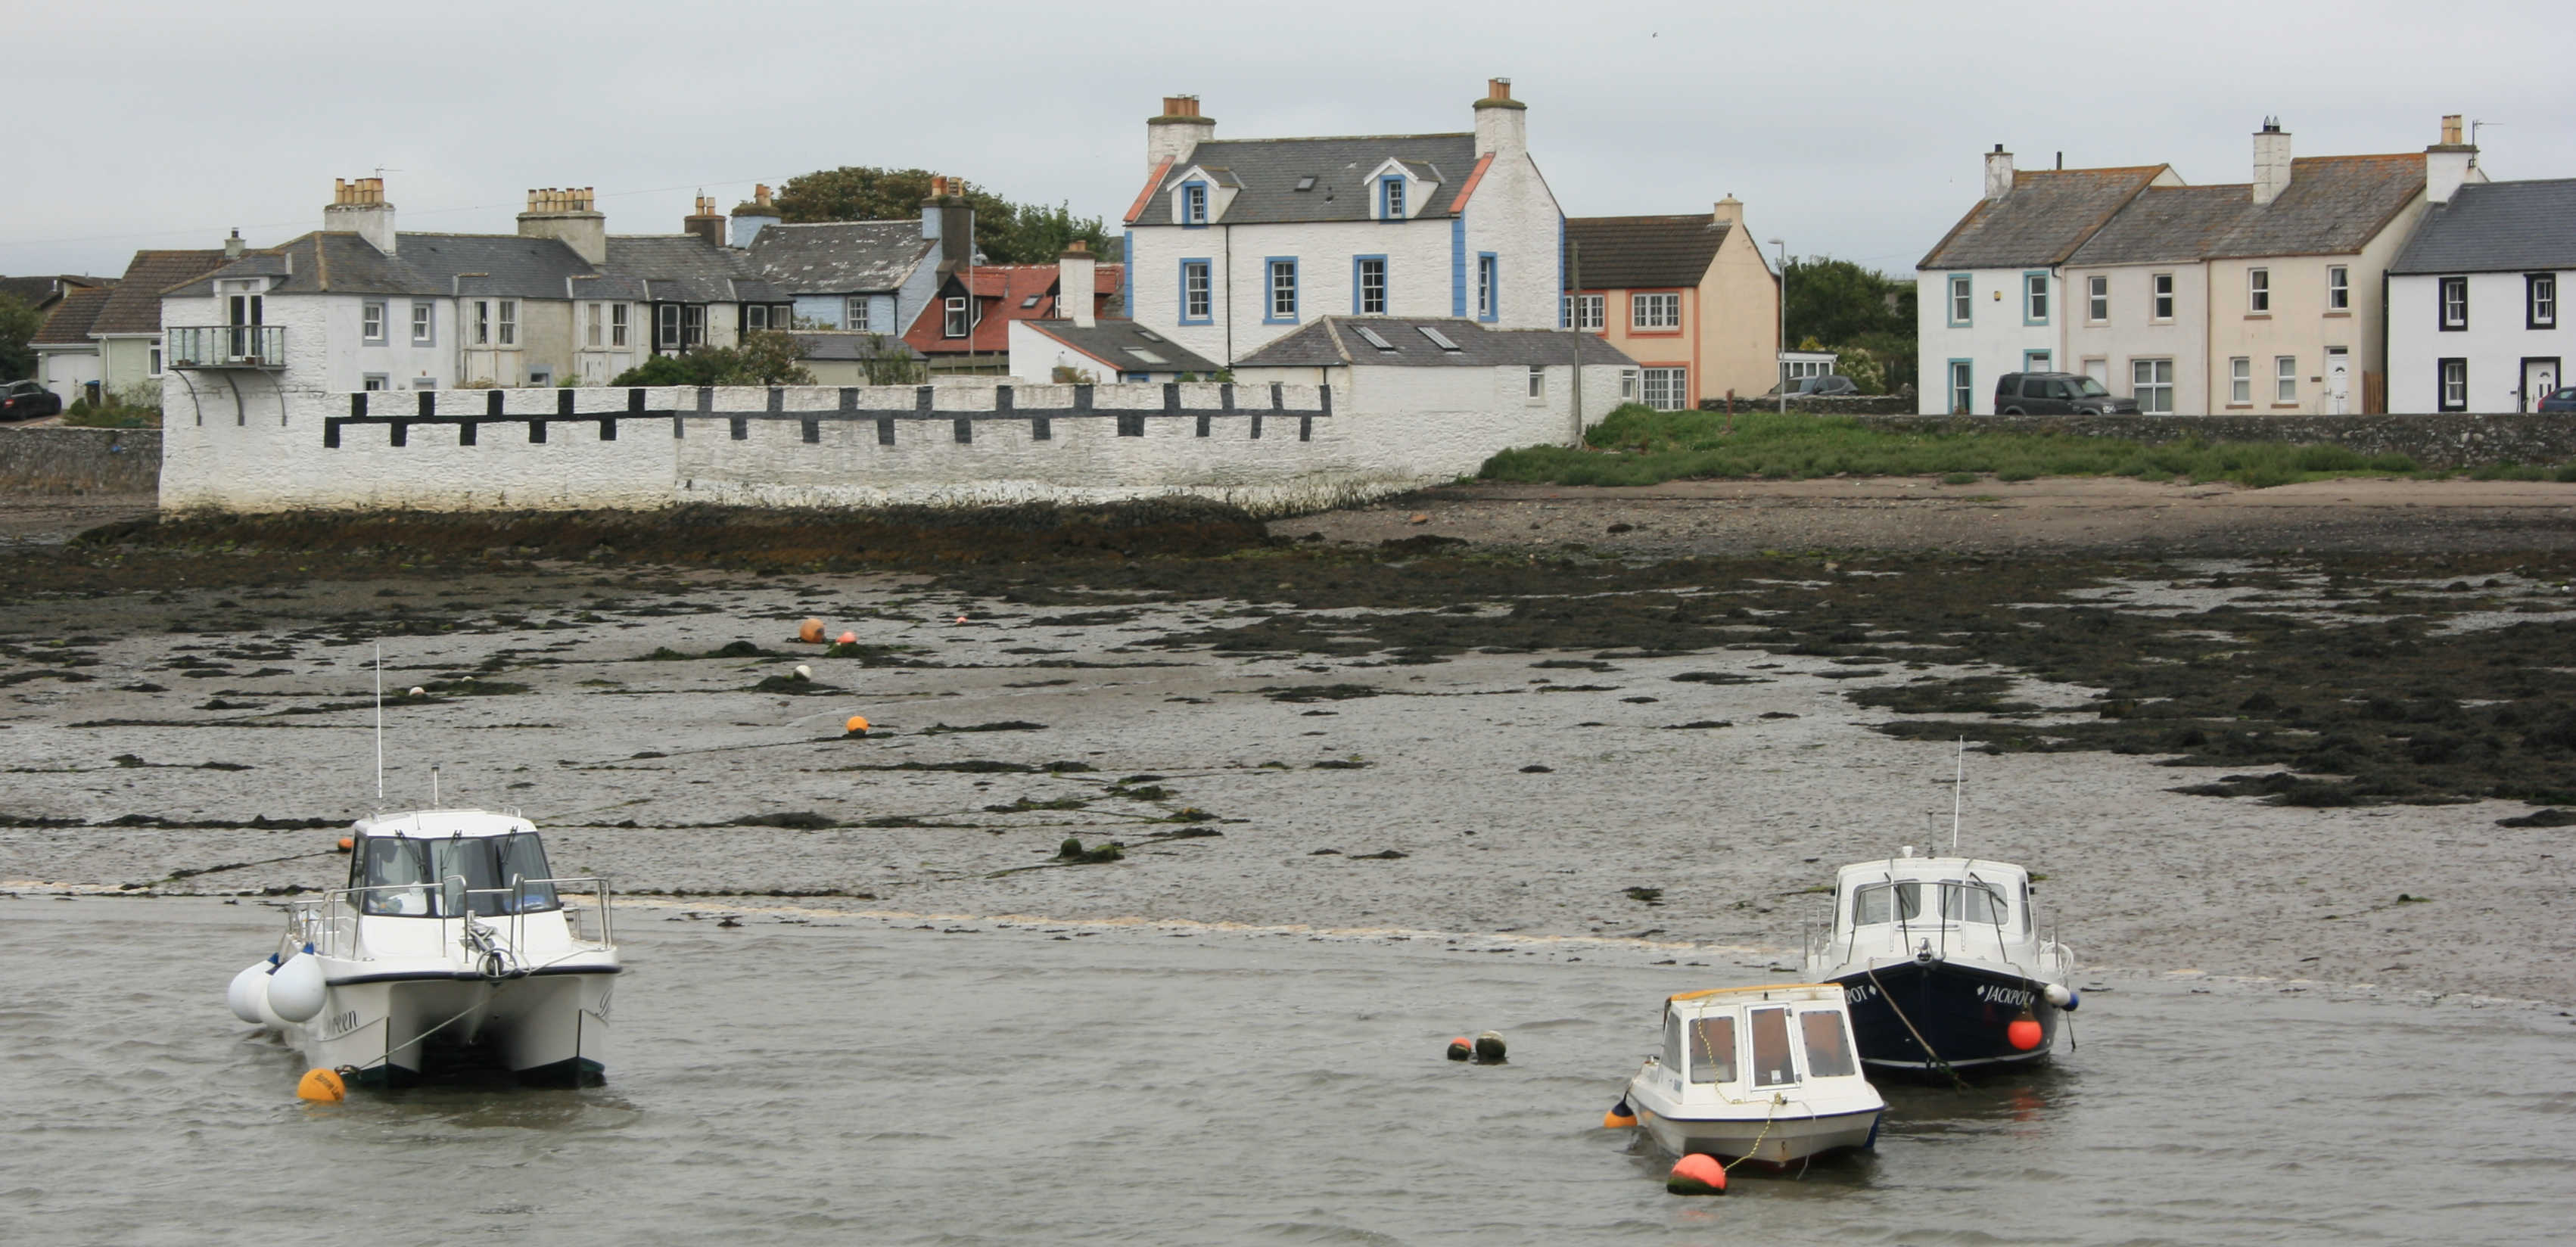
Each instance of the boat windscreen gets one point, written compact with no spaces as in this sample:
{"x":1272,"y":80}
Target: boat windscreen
{"x":1771,"y":1067}
{"x":1887,"y":902}
{"x":1973,"y":902}
{"x":483,"y":875}
{"x":1712,"y":1049}
{"x":1829,"y":1052}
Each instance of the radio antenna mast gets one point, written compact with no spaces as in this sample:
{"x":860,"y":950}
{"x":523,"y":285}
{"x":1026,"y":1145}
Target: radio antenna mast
{"x":380,"y":727}
{"x":1958,"y":781}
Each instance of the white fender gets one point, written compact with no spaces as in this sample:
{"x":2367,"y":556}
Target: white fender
{"x":247,"y":990}
{"x":296,"y":992}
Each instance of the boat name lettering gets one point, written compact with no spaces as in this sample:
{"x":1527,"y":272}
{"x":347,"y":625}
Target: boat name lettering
{"x":1860,"y":993}
{"x":2016,"y":997}
{"x":341,"y":1024}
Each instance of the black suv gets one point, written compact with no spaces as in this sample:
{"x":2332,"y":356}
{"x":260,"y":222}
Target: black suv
{"x":26,"y":400}
{"x":2057,"y":394}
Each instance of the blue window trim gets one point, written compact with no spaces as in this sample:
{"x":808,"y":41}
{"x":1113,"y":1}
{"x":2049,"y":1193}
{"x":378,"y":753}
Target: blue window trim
{"x":1391,"y":185}
{"x":2042,"y":275}
{"x":1126,"y":274}
{"x":1206,"y":202}
{"x":1181,"y":310}
{"x":1458,"y":265}
{"x":1356,"y":261}
{"x":1949,"y":389}
{"x":1950,"y":303}
{"x":1489,"y":287}
{"x":1562,"y":320}
{"x":1269,"y":308}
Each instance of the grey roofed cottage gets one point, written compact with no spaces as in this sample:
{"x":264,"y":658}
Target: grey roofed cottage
{"x":1334,"y":341}
{"x":1626,"y":252}
{"x":841,"y":257}
{"x":2496,"y":227}
{"x":1122,"y":349}
{"x":1333,"y":171}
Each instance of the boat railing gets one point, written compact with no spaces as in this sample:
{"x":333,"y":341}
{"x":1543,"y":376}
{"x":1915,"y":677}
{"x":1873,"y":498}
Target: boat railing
{"x":330,"y":922}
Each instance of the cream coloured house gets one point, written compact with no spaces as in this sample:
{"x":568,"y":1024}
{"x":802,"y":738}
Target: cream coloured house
{"x":1691,"y":298}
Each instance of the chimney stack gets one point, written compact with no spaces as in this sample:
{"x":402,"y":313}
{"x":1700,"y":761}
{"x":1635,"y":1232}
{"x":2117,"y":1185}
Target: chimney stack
{"x":567,"y":216}
{"x":1176,"y":132}
{"x":2271,"y":161}
{"x":946,"y":216}
{"x":2449,"y":163}
{"x":1502,"y":123}
{"x":1730,"y":211}
{"x":1999,"y":173}
{"x":754,"y":216}
{"x":233,"y":246}
{"x":1076,"y":272}
{"x":358,"y":207}
{"x":705,"y":222}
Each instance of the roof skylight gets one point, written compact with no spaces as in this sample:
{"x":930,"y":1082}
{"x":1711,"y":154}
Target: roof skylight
{"x":1438,"y":338}
{"x":1306,"y":183}
{"x":1146,"y":355}
{"x":1369,"y":336}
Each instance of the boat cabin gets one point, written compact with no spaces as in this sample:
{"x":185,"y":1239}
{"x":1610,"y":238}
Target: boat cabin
{"x":1743,"y":1042}
{"x":449,"y":863}
{"x":1929,"y":892}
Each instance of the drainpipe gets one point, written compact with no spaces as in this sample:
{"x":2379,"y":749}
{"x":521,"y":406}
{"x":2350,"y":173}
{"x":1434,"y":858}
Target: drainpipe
{"x":1228,"y":230}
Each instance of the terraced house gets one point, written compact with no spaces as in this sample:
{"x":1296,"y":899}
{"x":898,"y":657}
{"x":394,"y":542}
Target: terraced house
{"x":2476,"y":318}
{"x":1234,"y":243}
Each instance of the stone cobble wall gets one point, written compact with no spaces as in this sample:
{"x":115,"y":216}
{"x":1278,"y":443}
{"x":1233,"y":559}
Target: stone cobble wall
{"x":2447,"y":440}
{"x":54,"y":461}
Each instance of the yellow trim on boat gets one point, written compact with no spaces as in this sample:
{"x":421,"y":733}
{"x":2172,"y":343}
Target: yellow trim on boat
{"x":1766,"y":987}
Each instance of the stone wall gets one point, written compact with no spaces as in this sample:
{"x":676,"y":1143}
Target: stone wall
{"x":1817,"y":405}
{"x":79,"y":461}
{"x":2447,"y":440}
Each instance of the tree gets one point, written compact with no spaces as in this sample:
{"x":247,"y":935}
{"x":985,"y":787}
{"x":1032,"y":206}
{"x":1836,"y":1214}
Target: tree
{"x":1856,"y":311}
{"x":765,"y":357}
{"x":1005,"y":233}
{"x":18,"y":326}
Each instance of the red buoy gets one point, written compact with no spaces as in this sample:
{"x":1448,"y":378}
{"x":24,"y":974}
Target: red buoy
{"x":2024,"y":1033}
{"x":1696,"y":1174}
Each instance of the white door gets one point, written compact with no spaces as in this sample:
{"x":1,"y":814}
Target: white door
{"x":2338,"y":381}
{"x":2539,"y":377}
{"x":2099,"y":370}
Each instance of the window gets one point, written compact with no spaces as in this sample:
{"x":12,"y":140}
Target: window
{"x":2034,"y":298}
{"x":2455,"y":385}
{"x":1712,"y":1049}
{"x":1663,"y":388}
{"x":1197,"y":305}
{"x":375,"y":382}
{"x":482,"y":322}
{"x":693,"y":324}
{"x":2258,"y":292}
{"x":666,"y":319}
{"x":592,"y":328}
{"x":1963,"y":387}
{"x":2097,"y":299}
{"x":1887,"y":902}
{"x":1489,"y":283}
{"x":1390,"y":199}
{"x":371,"y":322}
{"x":2151,"y":383}
{"x":509,"y":323}
{"x":2285,"y":378}
{"x":1283,"y":291}
{"x":2540,"y":301}
{"x":617,"y":324}
{"x":1771,"y":1067}
{"x":2163,"y":286}
{"x":1537,"y":381}
{"x":1194,"y":203}
{"x":1585,"y":311}
{"x":1628,"y":385}
{"x":2035,"y":361}
{"x":2338,"y":288}
{"x":156,"y":362}
{"x":421,"y":331}
{"x":857,"y":317}
{"x":953,"y":321}
{"x":1829,"y":1053}
{"x":1654,"y":311}
{"x":1368,"y":286}
{"x":1672,"y":1058}
{"x":755,"y":316}
{"x":2240,"y":380}
{"x":1962,"y":306}
{"x":541,"y":378}
{"x":2455,"y":304}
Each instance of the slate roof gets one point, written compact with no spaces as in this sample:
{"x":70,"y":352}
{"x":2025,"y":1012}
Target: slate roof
{"x":678,"y":268}
{"x":2334,"y":205}
{"x":683,"y":268}
{"x":135,"y":307}
{"x":38,"y":292}
{"x":1632,"y":252}
{"x":1115,"y":342}
{"x":841,"y":257}
{"x":69,"y":323}
{"x":1269,"y":169}
{"x":2049,"y":213}
{"x":2168,"y":224}
{"x":2496,"y":227}
{"x":1334,"y":341}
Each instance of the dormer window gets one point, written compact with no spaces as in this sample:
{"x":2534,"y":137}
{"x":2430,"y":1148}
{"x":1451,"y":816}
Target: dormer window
{"x":1391,"y":198}
{"x":1194,"y":203}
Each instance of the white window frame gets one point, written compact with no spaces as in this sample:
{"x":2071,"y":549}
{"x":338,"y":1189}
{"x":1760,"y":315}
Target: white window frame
{"x":1963,"y":386}
{"x":1372,"y":294}
{"x":509,"y":322}
{"x":2338,"y":288}
{"x":1194,"y":203}
{"x":2097,"y":300}
{"x":693,"y":325}
{"x":2145,"y":385}
{"x":593,"y":331}
{"x":2258,"y":292}
{"x":1390,"y":204}
{"x":1198,"y":291}
{"x":2455,"y":312}
{"x":2240,"y":381}
{"x":1586,"y":311}
{"x":2034,"y":298}
{"x":666,"y":326}
{"x":855,"y":315}
{"x":424,"y":324}
{"x":952,"y":317}
{"x":2160,"y":298}
{"x":482,"y":322}
{"x":371,"y":322}
{"x":617,"y":324}
{"x":1664,"y":389}
{"x":1628,"y":383}
{"x":1488,"y":276}
{"x":1537,"y":382}
{"x":1963,"y":300}
{"x":1653,"y":311}
{"x":2540,"y":300}
{"x":2453,"y":377}
{"x":154,"y":361}
{"x":2285,"y":378}
{"x":1283,"y":289}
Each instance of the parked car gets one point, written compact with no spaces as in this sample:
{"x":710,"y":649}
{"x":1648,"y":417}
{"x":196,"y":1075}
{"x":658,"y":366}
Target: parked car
{"x":2559,"y":400}
{"x":1824,"y":385}
{"x":26,"y":400}
{"x":2057,"y":394}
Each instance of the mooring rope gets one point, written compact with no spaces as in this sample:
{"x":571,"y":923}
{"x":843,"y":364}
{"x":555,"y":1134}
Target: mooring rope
{"x":1955,"y":1081}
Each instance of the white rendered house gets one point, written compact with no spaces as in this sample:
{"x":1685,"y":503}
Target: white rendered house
{"x":2476,"y":320}
{"x":1233,"y":244}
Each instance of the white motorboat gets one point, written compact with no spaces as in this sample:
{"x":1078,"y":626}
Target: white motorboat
{"x":1761,"y":1073}
{"x":451,"y":941}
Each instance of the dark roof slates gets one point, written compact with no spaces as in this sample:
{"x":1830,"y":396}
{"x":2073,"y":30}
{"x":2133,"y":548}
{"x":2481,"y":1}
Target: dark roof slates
{"x":2491,"y":227}
{"x":1320,"y":345}
{"x":1268,"y":171}
{"x":1634,"y":252}
{"x":2049,"y":213}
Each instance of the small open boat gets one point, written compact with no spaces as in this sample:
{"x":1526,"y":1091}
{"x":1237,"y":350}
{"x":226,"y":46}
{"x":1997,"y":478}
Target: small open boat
{"x":451,"y":940}
{"x":1765,"y":1073}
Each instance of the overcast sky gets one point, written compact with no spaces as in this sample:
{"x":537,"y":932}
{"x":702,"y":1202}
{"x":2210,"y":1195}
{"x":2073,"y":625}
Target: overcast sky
{"x":1849,"y":129}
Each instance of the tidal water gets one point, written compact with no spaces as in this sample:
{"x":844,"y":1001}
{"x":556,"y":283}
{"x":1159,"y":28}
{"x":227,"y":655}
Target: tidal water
{"x":849,"y":1081}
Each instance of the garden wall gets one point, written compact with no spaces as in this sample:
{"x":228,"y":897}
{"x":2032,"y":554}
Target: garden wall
{"x":2447,"y":440}
{"x":57,"y":460}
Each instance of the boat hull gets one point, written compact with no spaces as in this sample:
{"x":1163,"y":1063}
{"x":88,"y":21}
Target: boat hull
{"x":546,"y":1027}
{"x":1787,"y":1139}
{"x":1964,"y":1011}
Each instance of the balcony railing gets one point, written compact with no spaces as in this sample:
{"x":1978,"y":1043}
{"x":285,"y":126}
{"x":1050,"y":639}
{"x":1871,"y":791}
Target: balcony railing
{"x":227,"y":346}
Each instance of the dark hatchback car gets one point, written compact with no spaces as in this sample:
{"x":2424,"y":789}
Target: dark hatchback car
{"x":2563,"y":399}
{"x":2057,"y":394}
{"x":26,"y":400}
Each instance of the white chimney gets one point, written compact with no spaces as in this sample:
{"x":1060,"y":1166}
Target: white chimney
{"x":1075,"y":272}
{"x":1502,"y":123}
{"x":1730,"y":211}
{"x":233,"y":246}
{"x":1177,"y":132}
{"x":358,"y":207}
{"x":1999,"y":173}
{"x":2271,"y":161}
{"x":2448,"y":163}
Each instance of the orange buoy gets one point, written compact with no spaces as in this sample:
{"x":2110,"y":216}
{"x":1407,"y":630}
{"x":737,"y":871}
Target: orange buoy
{"x":1696,"y":1174}
{"x":1620,"y":1116}
{"x":1460,"y":1049}
{"x":347,"y":843}
{"x":810,"y":631}
{"x":848,"y":638}
{"x":321,"y":1086}
{"x":2024,"y":1033}
{"x":857,"y":726}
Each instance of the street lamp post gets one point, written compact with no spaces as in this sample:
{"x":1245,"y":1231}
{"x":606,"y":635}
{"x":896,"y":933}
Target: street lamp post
{"x":1780,"y":353}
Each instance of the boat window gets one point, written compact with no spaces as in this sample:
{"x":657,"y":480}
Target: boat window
{"x":1771,"y":1067}
{"x":1712,"y":1044}
{"x":1828,"y":1053}
{"x":2026,"y":919}
{"x":1672,"y":1059}
{"x":1973,"y":902}
{"x":1887,"y":902}
{"x":445,"y":878}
